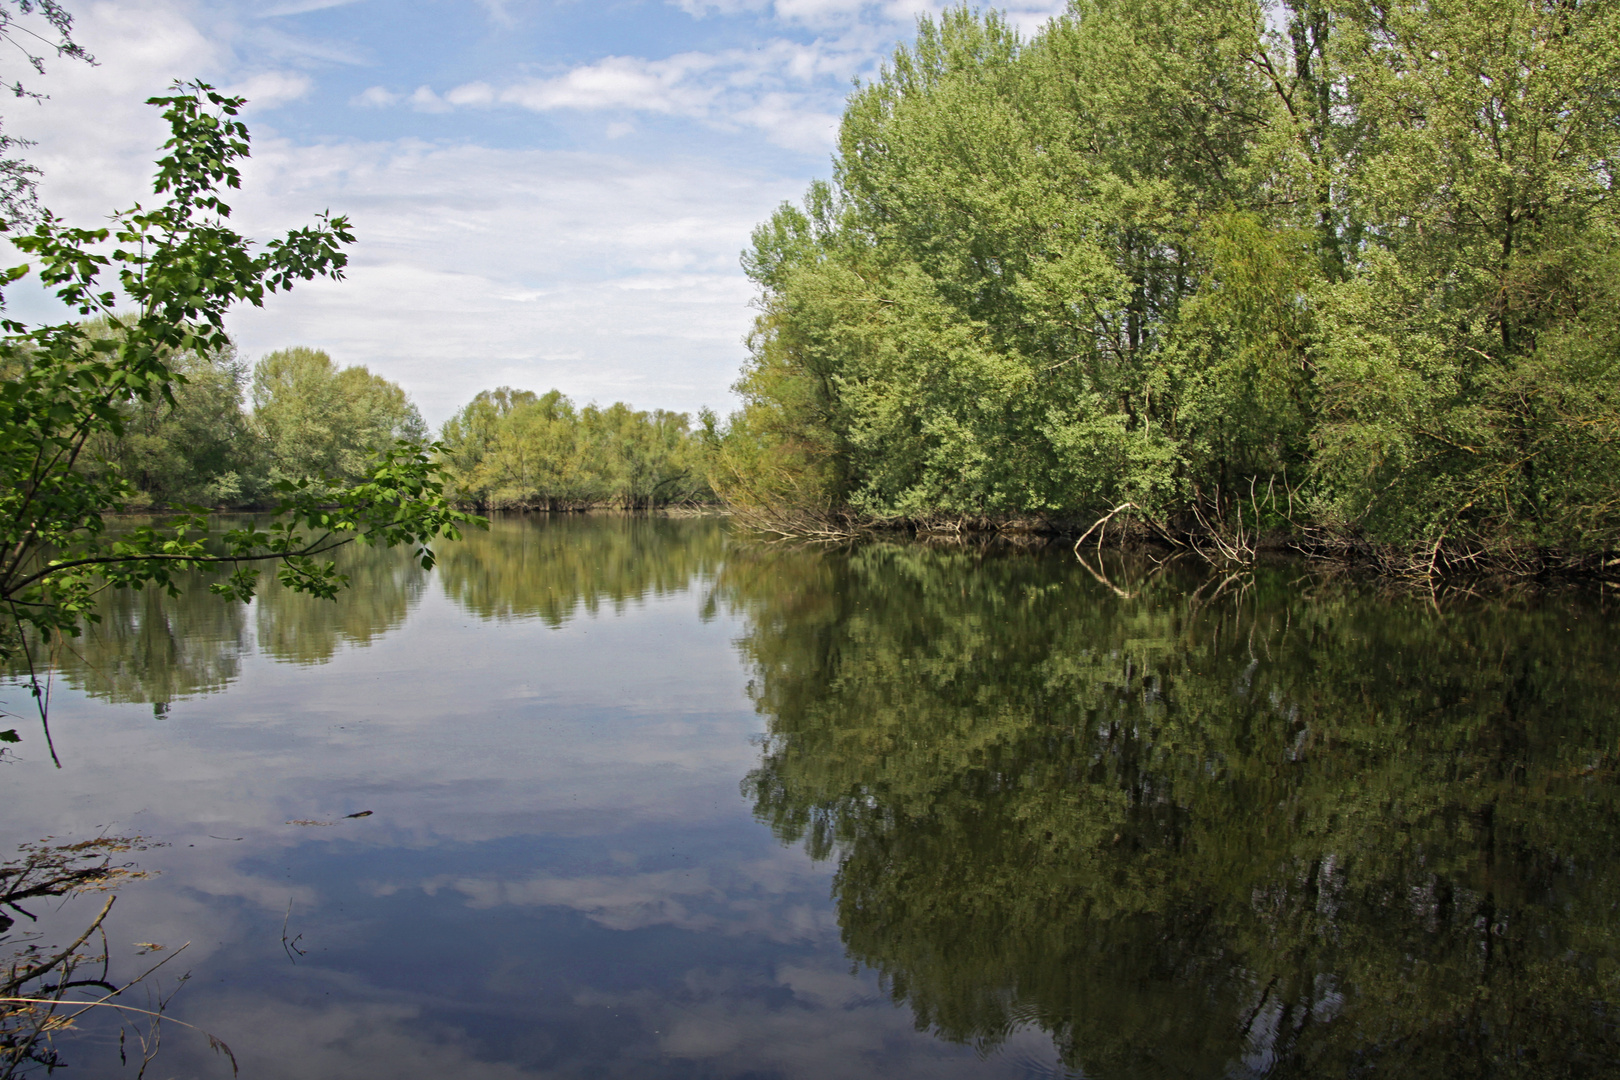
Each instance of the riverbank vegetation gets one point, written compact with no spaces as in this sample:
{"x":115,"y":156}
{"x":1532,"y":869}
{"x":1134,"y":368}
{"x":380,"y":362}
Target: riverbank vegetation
{"x":233,"y":432}
{"x":1342,"y":274}
{"x":516,"y":450}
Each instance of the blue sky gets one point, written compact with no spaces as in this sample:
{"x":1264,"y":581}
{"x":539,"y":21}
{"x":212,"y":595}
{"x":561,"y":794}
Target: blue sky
{"x":547,"y":194}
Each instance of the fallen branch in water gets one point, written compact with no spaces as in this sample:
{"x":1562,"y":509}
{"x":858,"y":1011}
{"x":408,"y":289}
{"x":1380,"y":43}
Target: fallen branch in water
{"x":1102,"y":523}
{"x":35,"y":993}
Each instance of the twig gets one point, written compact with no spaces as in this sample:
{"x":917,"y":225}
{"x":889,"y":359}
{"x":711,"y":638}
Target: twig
{"x":290,"y":947}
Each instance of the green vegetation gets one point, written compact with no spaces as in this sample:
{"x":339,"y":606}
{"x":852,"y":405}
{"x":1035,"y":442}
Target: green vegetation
{"x":226,"y":436}
{"x":1190,"y":833}
{"x":515,"y":450}
{"x":1357,"y":274}
{"x":108,"y":383}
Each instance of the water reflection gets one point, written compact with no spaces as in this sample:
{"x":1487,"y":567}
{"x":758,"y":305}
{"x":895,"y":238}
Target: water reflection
{"x":1294,"y":829}
{"x":1325,"y":834}
{"x":383,"y":588}
{"x":574,"y":563}
{"x":157,"y":649}
{"x":152,"y":648}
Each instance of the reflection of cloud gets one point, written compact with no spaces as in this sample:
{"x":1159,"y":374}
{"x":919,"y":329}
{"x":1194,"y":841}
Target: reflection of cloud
{"x":811,"y":1021}
{"x":832,"y":1026}
{"x":279,"y":1039}
{"x":747,"y":898}
{"x":618,"y":903}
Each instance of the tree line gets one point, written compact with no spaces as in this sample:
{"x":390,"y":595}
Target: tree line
{"x":516,"y":450}
{"x":1347,"y":266}
{"x":232,"y":432}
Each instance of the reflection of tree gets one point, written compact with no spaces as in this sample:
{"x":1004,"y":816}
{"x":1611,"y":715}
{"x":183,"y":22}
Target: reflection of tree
{"x":155,"y":648}
{"x":1325,"y":837}
{"x":151,"y":647}
{"x":384,"y":584}
{"x":547,"y":567}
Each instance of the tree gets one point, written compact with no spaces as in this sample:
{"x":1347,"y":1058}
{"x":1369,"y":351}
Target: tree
{"x":1166,"y":251}
{"x":197,"y":449}
{"x":19,"y":198}
{"x":178,"y":267}
{"x":316,"y":419}
{"x":512,"y":449}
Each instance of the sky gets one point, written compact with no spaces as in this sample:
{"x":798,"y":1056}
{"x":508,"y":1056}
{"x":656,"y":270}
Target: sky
{"x":546,"y":193}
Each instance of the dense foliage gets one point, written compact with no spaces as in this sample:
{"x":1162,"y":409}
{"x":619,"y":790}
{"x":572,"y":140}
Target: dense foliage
{"x":516,"y":450}
{"x":1358,"y":259}
{"x":208,"y":443}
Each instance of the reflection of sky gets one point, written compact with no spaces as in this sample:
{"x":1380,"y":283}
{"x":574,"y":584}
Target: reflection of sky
{"x":560,"y":874}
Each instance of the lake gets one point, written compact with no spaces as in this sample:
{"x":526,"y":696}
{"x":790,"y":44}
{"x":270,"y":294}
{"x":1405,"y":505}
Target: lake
{"x":649,"y":801}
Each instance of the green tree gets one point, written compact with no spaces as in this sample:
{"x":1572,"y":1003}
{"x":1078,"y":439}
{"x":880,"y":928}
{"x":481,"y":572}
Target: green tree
{"x":178,"y":267}
{"x":1166,"y":252}
{"x":192,"y":448}
{"x":513,"y":449}
{"x":315,"y":419}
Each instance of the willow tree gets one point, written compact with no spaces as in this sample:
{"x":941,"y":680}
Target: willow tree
{"x":1164,"y":251}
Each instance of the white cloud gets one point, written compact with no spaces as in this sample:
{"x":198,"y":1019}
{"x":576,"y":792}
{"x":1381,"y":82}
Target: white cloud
{"x":476,"y":93}
{"x":892,"y":19}
{"x":375,"y":97}
{"x":497,"y":12}
{"x":601,"y":275}
{"x":425,"y":100}
{"x":268,"y":89}
{"x":299,"y":7}
{"x":790,"y":124}
{"x":96,"y":140}
{"x":784,"y":89}
{"x":620,"y":82}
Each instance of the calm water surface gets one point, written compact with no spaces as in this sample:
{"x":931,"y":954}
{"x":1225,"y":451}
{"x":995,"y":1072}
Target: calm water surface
{"x":649,"y":802}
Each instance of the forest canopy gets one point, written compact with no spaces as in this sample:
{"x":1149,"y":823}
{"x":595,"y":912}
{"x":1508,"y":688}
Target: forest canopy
{"x":233,"y":431}
{"x":516,"y":450}
{"x":1359,"y":258}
